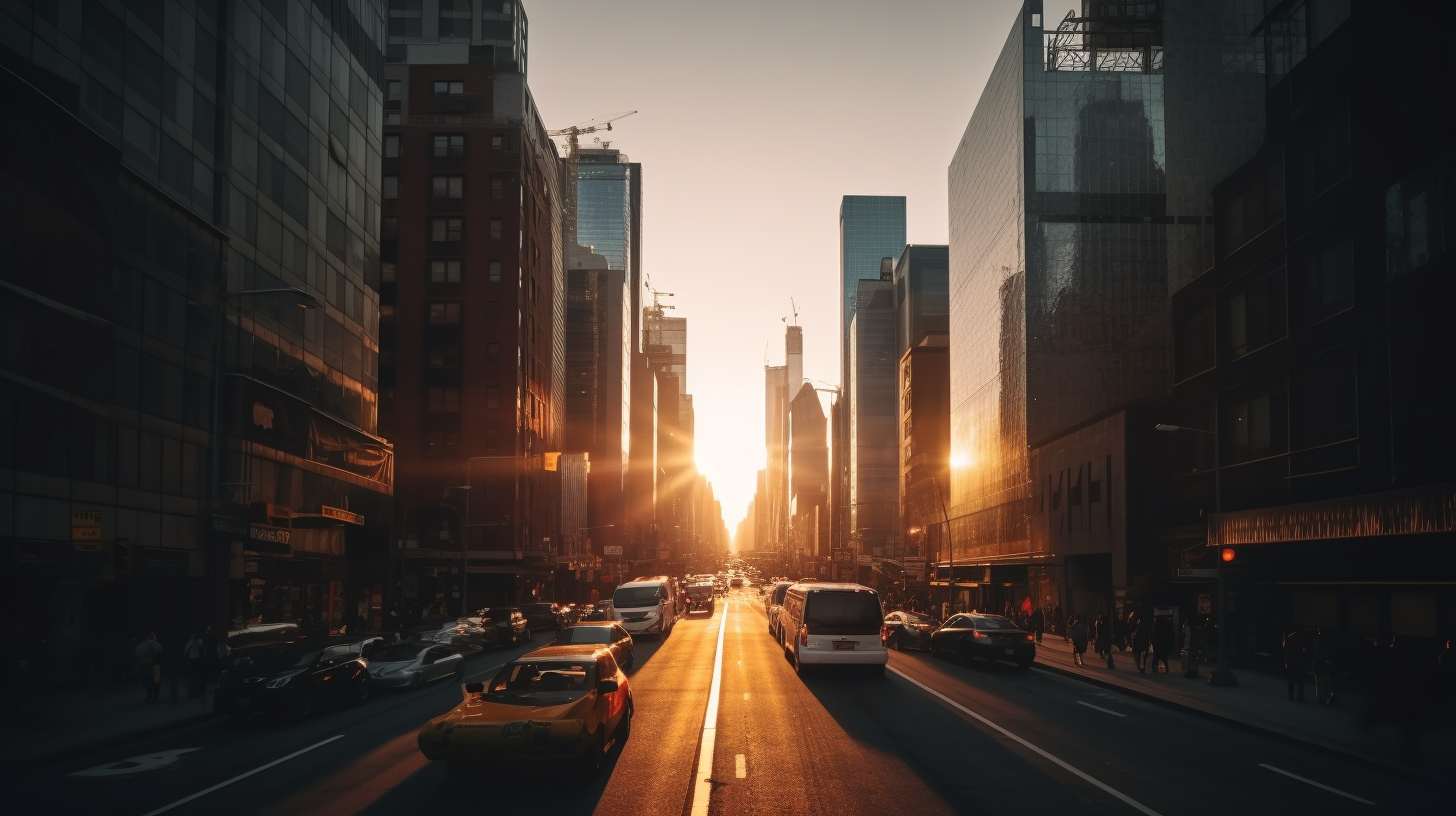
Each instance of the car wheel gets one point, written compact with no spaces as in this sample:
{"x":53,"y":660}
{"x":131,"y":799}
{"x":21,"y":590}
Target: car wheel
{"x":895,"y":643}
{"x":591,"y":761}
{"x":303,"y":704}
{"x":799,"y":667}
{"x":624,"y":728}
{"x":361,"y":689}
{"x":934,"y":652}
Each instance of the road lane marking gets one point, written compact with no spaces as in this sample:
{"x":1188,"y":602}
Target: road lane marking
{"x":240,"y":776}
{"x":745,"y":696}
{"x":1103,"y":710}
{"x":137,"y":764}
{"x":703,"y":787}
{"x":1316,"y":784}
{"x":740,"y":766}
{"x":1131,"y":802}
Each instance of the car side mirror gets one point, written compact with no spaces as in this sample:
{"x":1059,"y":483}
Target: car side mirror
{"x":607,"y":686}
{"x":474,"y":688}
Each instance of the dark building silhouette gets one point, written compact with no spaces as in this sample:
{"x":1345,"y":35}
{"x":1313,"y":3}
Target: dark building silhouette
{"x":809,"y":473}
{"x":922,"y":307}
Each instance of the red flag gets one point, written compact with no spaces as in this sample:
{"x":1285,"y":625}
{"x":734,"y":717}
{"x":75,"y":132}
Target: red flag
{"x":1026,"y":605}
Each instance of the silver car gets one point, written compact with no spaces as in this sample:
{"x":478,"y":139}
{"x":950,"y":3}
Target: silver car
{"x":414,"y":664}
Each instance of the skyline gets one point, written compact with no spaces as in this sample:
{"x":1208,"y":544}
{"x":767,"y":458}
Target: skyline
{"x":802,"y":72}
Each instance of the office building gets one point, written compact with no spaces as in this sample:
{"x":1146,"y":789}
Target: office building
{"x":474,"y":311}
{"x":873,"y":418}
{"x":808,"y":474}
{"x":609,"y":217}
{"x":1079,"y":196}
{"x":207,"y":452}
{"x":922,"y":318}
{"x":870,"y":228}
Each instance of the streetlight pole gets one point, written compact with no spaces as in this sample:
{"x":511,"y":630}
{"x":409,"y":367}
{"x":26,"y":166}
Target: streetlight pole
{"x":1222,"y":674}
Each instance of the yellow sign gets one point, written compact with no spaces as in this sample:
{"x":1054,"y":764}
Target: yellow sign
{"x":340,"y":514}
{"x":551,"y":460}
{"x":86,"y":526}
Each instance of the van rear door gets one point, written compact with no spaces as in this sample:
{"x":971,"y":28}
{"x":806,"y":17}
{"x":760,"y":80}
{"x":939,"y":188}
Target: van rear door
{"x":843,"y":620}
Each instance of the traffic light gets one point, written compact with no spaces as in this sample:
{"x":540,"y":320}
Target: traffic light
{"x":1227,"y":554}
{"x":121,"y":555}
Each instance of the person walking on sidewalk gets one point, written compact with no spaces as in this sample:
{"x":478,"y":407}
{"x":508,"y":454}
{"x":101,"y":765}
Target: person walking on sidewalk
{"x":198,"y":652}
{"x":148,"y":659}
{"x":1296,"y":661}
{"x":1077,"y":632}
{"x":1322,"y":660}
{"x":1163,"y":642}
{"x":1102,"y":636}
{"x":1038,"y":623}
{"x":1059,"y":624}
{"x":1141,"y":638}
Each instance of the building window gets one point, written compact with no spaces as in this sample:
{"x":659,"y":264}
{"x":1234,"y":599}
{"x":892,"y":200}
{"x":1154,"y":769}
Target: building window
{"x":444,"y":400}
{"x":391,"y":147}
{"x":449,"y":88}
{"x":449,"y":144}
{"x":442,"y":440}
{"x":1322,"y":151}
{"x":445,"y":271}
{"x":497,"y":188}
{"x":396,"y":90}
{"x":1420,"y":217}
{"x":1254,"y":425}
{"x":444,"y":313}
{"x":492,"y":397}
{"x":444,"y":357}
{"x":1326,"y":401}
{"x":448,"y":186}
{"x":386,"y":312}
{"x":492,"y":350}
{"x":391,"y":187}
{"x":495,"y":228}
{"x":455,"y":18}
{"x":1256,"y":314}
{"x":446,"y":229}
{"x":1193,"y":345}
{"x":495,"y":271}
{"x":1326,"y":278}
{"x":497,"y":142}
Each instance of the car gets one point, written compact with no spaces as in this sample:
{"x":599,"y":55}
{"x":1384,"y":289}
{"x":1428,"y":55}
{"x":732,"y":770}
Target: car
{"x":991,"y":637}
{"x":466,"y":635}
{"x":607,"y":633}
{"x":700,"y":598}
{"x":833,"y":623}
{"x":509,"y":622}
{"x":594,"y":612}
{"x":542,"y":616}
{"x":735,"y":583}
{"x":414,"y":663}
{"x":294,"y":678}
{"x":908,"y":630}
{"x":645,"y":606}
{"x":772,"y":601}
{"x":555,"y":708}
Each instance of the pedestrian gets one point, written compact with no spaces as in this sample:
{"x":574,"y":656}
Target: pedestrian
{"x":1077,"y":632}
{"x":1163,"y":641}
{"x":1102,"y":636}
{"x":1322,"y":661}
{"x":148,"y":660}
{"x":945,"y":610}
{"x":1038,"y":623}
{"x":1059,"y":623}
{"x":1141,"y":639}
{"x":198,"y":652}
{"x":1296,"y":662}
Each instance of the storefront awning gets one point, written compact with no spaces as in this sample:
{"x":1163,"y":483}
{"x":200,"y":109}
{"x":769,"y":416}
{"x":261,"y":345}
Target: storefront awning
{"x":1397,"y":512}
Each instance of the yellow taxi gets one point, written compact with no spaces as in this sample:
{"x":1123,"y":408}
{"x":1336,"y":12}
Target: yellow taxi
{"x":554,"y":707}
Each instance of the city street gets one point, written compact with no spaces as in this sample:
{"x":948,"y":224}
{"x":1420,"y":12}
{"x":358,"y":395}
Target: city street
{"x":930,"y":737}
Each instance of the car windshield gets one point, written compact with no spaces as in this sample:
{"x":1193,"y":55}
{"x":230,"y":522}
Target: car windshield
{"x":398,"y":653}
{"x":533,"y":682}
{"x":629,"y":597}
{"x":993,"y":623}
{"x":584,"y":634}
{"x":700,"y":591}
{"x":843,"y":612}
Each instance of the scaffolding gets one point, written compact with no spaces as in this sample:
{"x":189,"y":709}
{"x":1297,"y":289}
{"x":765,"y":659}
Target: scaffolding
{"x":1132,"y":43}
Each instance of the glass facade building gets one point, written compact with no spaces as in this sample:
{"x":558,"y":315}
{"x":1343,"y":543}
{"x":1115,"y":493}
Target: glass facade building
{"x":1079,"y":196}
{"x":874,"y":484}
{"x":609,"y":217}
{"x":870,"y":228}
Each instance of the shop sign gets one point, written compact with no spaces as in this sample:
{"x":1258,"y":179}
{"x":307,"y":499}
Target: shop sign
{"x":86,"y":530}
{"x":228,"y":525}
{"x":612,"y":549}
{"x":269,"y":540}
{"x":844,"y":556}
{"x":340,"y":514}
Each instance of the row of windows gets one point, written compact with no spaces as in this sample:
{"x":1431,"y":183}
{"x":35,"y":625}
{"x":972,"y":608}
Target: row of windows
{"x":447,"y":399}
{"x":442,"y":146}
{"x":445,"y":271}
{"x":394,"y":89}
{"x":443,"y":187}
{"x":453,"y":229}
{"x":444,"y":357}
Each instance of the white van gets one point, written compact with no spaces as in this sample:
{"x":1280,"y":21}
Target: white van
{"x":646,"y":606}
{"x":829,"y":624}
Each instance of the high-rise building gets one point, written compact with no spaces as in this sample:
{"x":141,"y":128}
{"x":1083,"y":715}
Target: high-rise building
{"x":609,"y":217}
{"x":870,"y":228}
{"x":474,"y":307}
{"x":922,"y":306}
{"x":776,"y":446}
{"x":808,"y":473}
{"x":1079,"y":194}
{"x":179,"y":184}
{"x":874,"y":492}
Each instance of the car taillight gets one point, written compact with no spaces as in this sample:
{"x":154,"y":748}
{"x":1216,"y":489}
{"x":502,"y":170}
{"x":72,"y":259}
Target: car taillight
{"x":804,"y":635}
{"x":922,"y":626}
{"x":976,"y":633}
{"x":884,"y":634}
{"x":1030,"y":636}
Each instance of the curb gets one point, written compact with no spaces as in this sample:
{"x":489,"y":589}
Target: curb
{"x":1254,"y":728}
{"x":30,"y":763}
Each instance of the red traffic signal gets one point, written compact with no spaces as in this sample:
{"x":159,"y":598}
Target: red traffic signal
{"x":1227,"y":554}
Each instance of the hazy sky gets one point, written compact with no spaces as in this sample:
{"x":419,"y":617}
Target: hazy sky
{"x":755,"y":117}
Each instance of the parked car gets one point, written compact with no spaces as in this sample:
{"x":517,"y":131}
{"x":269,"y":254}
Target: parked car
{"x":467,"y":635}
{"x":772,"y":601}
{"x":294,"y":678}
{"x":701,"y":598}
{"x":735,"y":583}
{"x":992,"y":637}
{"x":908,"y":630}
{"x":542,"y":616}
{"x":414,"y":663}
{"x":606,"y":633}
{"x":550,"y":708}
{"x":833,"y":623}
{"x":594,"y":612}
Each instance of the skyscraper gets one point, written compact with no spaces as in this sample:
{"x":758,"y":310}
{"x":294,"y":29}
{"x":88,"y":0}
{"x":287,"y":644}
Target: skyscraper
{"x":922,"y":295}
{"x":873,"y":414}
{"x":609,"y":217}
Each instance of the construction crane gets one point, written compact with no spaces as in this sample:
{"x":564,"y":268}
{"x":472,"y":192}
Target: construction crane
{"x":573,"y":136}
{"x":793,"y":306}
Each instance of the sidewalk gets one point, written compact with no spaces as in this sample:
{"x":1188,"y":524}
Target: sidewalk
{"x":50,"y":727}
{"x":1260,"y":703}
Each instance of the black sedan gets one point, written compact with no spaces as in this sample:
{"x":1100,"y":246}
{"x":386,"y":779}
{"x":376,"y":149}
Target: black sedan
{"x":907,"y":630}
{"x":295,"y":678}
{"x":992,"y":637}
{"x":611,"y":634}
{"x":700,"y":598}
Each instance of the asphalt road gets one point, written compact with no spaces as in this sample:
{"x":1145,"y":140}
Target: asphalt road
{"x":930,"y":737}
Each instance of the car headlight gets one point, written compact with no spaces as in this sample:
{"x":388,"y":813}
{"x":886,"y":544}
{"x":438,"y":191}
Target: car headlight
{"x":283,"y":679}
{"x":652,"y":615}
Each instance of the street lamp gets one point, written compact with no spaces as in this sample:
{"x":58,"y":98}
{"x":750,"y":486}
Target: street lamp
{"x":1222,"y":674}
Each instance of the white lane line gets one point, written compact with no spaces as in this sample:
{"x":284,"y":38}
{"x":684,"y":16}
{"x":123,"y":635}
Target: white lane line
{"x":1316,"y":784}
{"x":703,"y":787}
{"x":740,"y":766}
{"x":1103,"y":710}
{"x":258,"y":769}
{"x":1131,"y":802}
